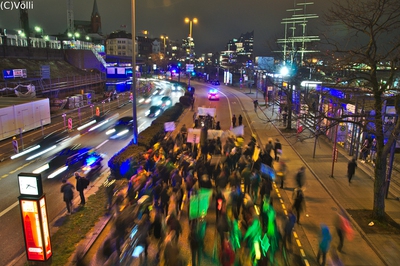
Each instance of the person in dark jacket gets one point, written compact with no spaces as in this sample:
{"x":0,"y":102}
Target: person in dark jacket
{"x":81,"y":185}
{"x":351,"y":169}
{"x":277,"y":149}
{"x":240,"y":119}
{"x":67,"y":190}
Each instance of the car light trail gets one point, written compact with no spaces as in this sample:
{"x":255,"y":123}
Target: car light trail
{"x":41,"y":169}
{"x":86,"y":125}
{"x":99,"y":125}
{"x":40,"y":153}
{"x":109,"y":132}
{"x":57,"y":172}
{"x":25,"y":152}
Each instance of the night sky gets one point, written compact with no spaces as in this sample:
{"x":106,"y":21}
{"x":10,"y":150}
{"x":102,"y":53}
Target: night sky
{"x":219,"y":20}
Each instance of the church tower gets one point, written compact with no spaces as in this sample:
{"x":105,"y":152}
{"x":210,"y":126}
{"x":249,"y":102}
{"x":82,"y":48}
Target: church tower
{"x":95,"y":20}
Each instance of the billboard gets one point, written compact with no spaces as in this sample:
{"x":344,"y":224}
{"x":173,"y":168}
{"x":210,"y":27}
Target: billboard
{"x":265,"y":63}
{"x":36,"y":229}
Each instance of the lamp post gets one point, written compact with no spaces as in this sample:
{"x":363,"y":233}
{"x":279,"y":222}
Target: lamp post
{"x":191,"y":21}
{"x":164,"y":38}
{"x":39,"y":29}
{"x":190,"y":40}
{"x":134,"y":126}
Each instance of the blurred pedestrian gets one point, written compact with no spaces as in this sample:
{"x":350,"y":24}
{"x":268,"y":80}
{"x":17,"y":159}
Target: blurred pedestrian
{"x":282,"y":169}
{"x":372,"y":153}
{"x":299,"y":203}
{"x":233,"y":121}
{"x":351,"y":169}
{"x":68,"y":194}
{"x":288,"y":229}
{"x":255,"y":102}
{"x":324,"y":244}
{"x":365,"y":150}
{"x":109,"y":185}
{"x":343,"y":228}
{"x":227,"y":254}
{"x":81,"y":184}
{"x":300,"y":177}
{"x":246,"y":175}
{"x":195,"y":243}
{"x":218,"y":126}
{"x":269,"y":147}
{"x":240,"y":120}
{"x":277,"y":150}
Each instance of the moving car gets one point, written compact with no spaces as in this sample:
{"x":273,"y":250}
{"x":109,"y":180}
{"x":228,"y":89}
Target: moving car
{"x":68,"y":161}
{"x":121,"y":128}
{"x":166,"y":102}
{"x":215,"y":82}
{"x":213,"y":95}
{"x":154,"y":111}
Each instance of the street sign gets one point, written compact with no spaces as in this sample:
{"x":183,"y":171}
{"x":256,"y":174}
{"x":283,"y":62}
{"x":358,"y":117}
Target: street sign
{"x":189,"y":67}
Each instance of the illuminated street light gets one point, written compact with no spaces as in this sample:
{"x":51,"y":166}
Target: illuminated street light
{"x":164,"y":38}
{"x":39,"y":29}
{"x":191,"y":21}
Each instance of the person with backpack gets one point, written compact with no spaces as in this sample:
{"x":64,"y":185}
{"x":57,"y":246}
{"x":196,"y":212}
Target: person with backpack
{"x":81,"y":184}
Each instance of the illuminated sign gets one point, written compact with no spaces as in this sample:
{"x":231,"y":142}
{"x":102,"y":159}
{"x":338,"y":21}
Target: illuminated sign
{"x":36,"y":229}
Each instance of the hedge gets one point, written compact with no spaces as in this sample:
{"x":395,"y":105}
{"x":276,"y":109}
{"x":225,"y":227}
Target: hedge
{"x":124,"y":163}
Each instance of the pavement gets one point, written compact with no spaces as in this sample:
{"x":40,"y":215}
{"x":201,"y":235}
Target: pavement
{"x":324,"y":195}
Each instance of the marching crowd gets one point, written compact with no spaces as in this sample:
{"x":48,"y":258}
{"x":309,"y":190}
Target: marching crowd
{"x":250,"y":231}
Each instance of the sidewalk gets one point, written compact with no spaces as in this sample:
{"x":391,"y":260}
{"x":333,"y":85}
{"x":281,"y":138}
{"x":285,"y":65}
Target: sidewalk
{"x":322,"y":204}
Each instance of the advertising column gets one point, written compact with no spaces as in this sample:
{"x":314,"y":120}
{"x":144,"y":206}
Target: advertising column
{"x":35,"y":223}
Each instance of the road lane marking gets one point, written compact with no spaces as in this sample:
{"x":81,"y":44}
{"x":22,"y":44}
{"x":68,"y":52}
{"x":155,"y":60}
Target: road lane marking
{"x":9,"y":208}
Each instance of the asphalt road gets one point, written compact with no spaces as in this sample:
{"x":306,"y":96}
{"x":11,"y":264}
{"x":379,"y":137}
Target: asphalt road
{"x":10,"y":218}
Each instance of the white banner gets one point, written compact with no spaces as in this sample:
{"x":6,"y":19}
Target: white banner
{"x":238,"y":131}
{"x":212,"y":133}
{"x":193,"y":135}
{"x":203,"y":111}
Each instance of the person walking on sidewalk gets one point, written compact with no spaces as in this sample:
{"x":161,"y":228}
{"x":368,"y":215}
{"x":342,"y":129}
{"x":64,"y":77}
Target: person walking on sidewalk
{"x":277,"y":149}
{"x":351,"y":169}
{"x":324,"y":244}
{"x":68,"y":193}
{"x":240,"y":120}
{"x":255,"y":105}
{"x":300,"y":177}
{"x":299,"y":202}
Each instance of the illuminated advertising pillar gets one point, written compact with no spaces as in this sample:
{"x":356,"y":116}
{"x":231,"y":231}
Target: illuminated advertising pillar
{"x":35,"y":223}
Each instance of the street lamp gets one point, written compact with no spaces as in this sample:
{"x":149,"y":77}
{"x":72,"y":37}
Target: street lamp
{"x":191,"y":21}
{"x":164,"y":38}
{"x":39,"y":29}
{"x":134,"y":126}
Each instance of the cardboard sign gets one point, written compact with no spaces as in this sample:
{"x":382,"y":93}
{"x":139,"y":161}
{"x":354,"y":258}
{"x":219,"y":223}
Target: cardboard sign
{"x":193,"y":135}
{"x":238,"y":131}
{"x":213,"y":134}
{"x":169,"y":126}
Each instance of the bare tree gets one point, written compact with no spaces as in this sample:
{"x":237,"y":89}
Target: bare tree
{"x":371,"y":31}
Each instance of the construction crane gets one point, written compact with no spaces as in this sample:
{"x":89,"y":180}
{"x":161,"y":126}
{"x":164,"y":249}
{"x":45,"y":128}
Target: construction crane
{"x":70,"y":17}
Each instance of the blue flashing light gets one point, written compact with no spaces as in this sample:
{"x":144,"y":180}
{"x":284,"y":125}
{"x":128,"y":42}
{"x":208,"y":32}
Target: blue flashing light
{"x":91,"y":159}
{"x":213,"y":91}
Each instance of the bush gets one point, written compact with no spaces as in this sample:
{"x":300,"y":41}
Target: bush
{"x":124,"y":163}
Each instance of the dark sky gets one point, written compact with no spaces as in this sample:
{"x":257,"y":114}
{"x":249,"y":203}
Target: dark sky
{"x":219,"y":20}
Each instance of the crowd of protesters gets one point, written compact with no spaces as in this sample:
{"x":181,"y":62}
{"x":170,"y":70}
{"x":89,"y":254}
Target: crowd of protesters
{"x":175,"y":170}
